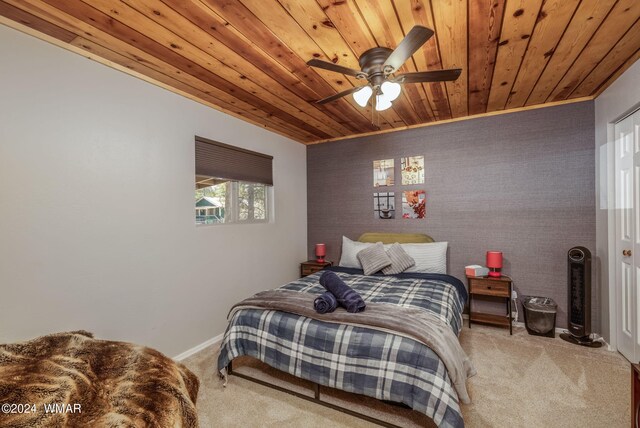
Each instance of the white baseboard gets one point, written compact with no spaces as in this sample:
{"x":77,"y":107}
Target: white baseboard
{"x":198,"y":348}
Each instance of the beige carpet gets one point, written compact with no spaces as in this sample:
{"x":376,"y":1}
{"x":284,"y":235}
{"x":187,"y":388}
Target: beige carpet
{"x":522,"y":381}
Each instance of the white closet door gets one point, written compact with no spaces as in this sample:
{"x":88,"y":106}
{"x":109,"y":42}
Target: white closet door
{"x":636,"y":240}
{"x":626,"y":221}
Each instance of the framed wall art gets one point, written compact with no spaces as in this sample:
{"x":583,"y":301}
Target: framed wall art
{"x":412,"y":168}
{"x":383,"y":173}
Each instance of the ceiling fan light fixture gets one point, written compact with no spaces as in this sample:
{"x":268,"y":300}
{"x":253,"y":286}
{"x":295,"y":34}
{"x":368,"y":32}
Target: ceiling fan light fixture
{"x":390,"y":90}
{"x":362,"y":96}
{"x":382,"y":103}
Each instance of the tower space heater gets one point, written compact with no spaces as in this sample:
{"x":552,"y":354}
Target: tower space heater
{"x":579,"y":293}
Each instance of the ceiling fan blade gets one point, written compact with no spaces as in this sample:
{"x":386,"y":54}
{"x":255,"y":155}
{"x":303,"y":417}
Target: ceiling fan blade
{"x":339,"y":95}
{"x":415,"y":38}
{"x":335,"y":67}
{"x":429,"y":76}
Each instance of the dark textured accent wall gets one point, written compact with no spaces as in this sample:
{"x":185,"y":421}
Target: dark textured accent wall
{"x":521,"y":183}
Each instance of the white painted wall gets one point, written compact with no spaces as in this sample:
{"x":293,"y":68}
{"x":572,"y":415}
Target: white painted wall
{"x":96,"y":206}
{"x":618,"y":99}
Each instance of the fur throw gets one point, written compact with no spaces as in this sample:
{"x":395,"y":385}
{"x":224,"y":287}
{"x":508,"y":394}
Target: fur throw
{"x":74,"y":380}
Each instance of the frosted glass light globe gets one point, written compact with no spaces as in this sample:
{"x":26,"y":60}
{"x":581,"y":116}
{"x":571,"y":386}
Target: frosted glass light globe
{"x":390,"y":90}
{"x":382,"y":103}
{"x":362,"y":96}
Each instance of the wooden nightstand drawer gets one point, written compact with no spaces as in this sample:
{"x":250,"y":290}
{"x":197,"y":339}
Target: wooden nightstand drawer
{"x":488,"y":287}
{"x":312,"y":266}
{"x":311,"y":269}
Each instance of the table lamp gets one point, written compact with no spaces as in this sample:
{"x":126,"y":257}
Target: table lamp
{"x":321,"y":251}
{"x":494,"y":263}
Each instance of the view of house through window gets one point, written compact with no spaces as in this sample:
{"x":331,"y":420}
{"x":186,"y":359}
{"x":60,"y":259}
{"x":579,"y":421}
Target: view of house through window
{"x":225,"y":201}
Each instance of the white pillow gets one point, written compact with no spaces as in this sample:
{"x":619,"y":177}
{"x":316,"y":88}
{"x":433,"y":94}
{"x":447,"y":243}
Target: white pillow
{"x":350,"y":249}
{"x":430,"y":258}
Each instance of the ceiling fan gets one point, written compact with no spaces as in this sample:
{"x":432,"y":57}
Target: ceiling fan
{"x":377,"y":66}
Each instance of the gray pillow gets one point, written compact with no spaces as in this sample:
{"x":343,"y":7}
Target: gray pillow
{"x":400,"y":260}
{"x":373,"y":258}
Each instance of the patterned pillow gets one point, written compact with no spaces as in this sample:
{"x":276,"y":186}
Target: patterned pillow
{"x":400,"y":260}
{"x":373,"y":258}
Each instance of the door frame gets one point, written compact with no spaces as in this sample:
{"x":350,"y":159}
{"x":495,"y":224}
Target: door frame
{"x":611,"y":223}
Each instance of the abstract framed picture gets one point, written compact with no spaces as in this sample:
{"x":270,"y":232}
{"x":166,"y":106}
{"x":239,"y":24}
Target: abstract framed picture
{"x":384,"y":205}
{"x":412,"y":168}
{"x":414,"y":204}
{"x":383,"y":173}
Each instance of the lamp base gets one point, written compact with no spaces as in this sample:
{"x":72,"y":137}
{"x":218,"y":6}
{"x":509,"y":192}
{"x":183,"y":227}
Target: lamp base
{"x":320,"y":259}
{"x":496,"y":273}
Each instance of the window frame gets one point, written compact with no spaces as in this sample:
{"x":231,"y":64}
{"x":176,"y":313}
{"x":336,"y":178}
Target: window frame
{"x":234,"y":210}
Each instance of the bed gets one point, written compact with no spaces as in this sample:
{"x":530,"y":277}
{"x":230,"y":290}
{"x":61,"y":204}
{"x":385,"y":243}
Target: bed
{"x":389,"y":364}
{"x":73,"y":380}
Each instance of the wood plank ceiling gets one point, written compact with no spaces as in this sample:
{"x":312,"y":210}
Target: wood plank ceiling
{"x":248,"y":57}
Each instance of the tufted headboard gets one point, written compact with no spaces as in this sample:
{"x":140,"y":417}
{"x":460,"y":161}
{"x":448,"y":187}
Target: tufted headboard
{"x":390,"y":238}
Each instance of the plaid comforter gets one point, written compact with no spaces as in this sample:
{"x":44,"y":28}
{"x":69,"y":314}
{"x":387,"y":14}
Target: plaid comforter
{"x":357,"y":359}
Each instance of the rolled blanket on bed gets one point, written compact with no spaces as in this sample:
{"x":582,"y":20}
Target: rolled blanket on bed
{"x":346,"y":296}
{"x":325,"y":303}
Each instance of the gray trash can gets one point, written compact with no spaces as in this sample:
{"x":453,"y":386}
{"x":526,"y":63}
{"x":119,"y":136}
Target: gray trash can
{"x":540,"y":316}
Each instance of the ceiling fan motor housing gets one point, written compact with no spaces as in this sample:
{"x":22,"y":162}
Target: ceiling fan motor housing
{"x":371,"y":62}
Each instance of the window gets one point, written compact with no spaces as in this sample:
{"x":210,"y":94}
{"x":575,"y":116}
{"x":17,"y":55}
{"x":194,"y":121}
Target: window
{"x":242,"y":196}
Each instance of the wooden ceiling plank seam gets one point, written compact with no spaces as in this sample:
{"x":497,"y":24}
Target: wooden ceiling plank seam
{"x":483,"y":51}
{"x":225,"y":76}
{"x":552,"y":22}
{"x":251,"y":52}
{"x":415,"y":13}
{"x":587,"y":19}
{"x":410,"y":65}
{"x":402,"y":104}
{"x":108,"y":9}
{"x":280,"y":95}
{"x":615,"y":58}
{"x":570,"y":67}
{"x":83,"y":47}
{"x":388,"y":35}
{"x":619,"y":20}
{"x":524,"y":54}
{"x":353,"y":29}
{"x":517,"y":27}
{"x":99,"y":37}
{"x":553,"y":51}
{"x":236,"y":13}
{"x":614,"y":76}
{"x":342,"y":111}
{"x":201,"y":15}
{"x":15,"y":14}
{"x":318,"y":27}
{"x":454,"y":54}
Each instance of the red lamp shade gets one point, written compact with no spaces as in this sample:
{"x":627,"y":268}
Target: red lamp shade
{"x":494,"y":263}
{"x":321,"y":251}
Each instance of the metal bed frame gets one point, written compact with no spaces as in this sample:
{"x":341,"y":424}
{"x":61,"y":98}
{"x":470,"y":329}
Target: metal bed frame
{"x":317,"y":398}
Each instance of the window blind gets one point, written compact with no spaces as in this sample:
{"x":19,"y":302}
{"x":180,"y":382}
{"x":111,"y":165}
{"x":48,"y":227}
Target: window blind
{"x":214,"y":159}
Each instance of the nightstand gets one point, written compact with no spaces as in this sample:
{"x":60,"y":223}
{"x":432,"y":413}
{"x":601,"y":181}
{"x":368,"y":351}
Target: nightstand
{"x":312,"y":266}
{"x":499,"y":288}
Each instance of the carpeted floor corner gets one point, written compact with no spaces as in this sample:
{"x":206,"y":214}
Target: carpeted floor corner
{"x":522,"y":381}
